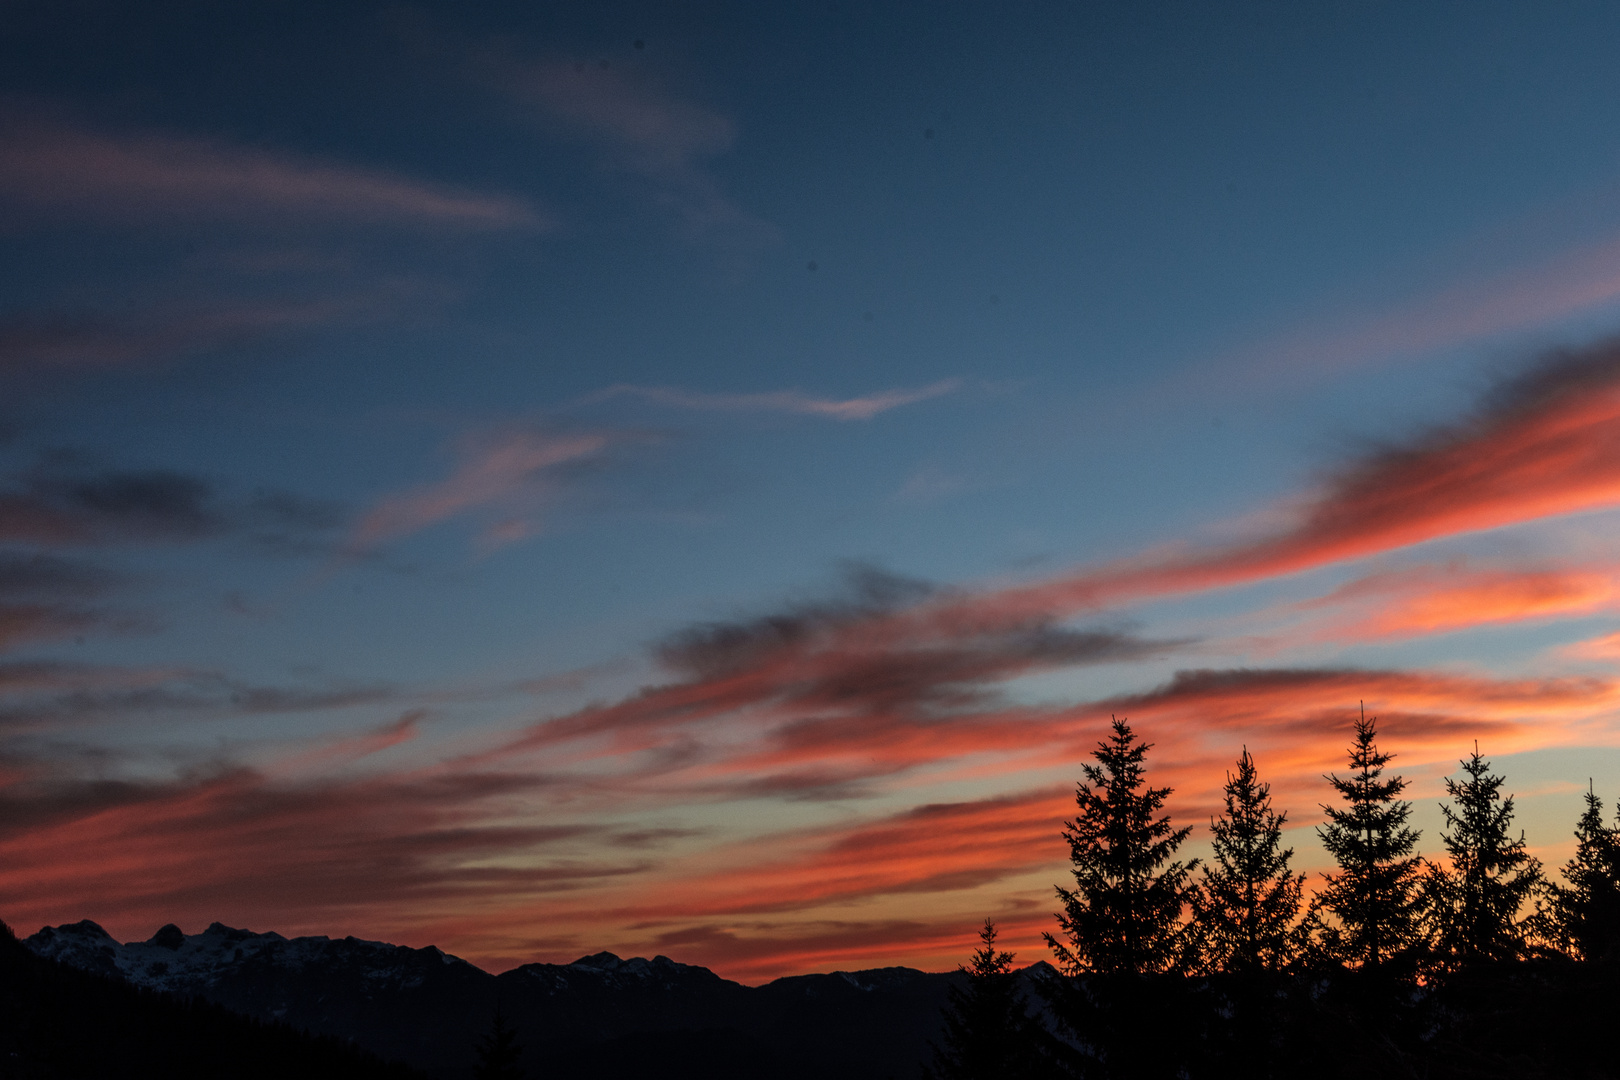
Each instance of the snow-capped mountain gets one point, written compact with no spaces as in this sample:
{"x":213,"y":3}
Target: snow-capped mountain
{"x":620,"y":1016}
{"x":177,"y":962}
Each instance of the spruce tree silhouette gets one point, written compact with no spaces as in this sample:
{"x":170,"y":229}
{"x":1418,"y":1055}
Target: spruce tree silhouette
{"x":1374,"y":897}
{"x":1586,"y":912}
{"x":1473,"y":906}
{"x":498,"y":1052}
{"x":989,"y":1034}
{"x":1247,"y":907}
{"x":1125,"y":914}
{"x":1128,"y":944}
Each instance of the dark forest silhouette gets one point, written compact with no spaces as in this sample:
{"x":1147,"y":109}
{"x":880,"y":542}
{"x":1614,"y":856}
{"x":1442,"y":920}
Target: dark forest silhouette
{"x":1476,"y":966}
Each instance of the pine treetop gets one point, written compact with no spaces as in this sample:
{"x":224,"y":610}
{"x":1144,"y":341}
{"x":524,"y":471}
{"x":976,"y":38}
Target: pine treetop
{"x":987,"y":961}
{"x":1371,"y":830}
{"x":1587,"y":911}
{"x":988,"y":1033}
{"x":1249,"y":899}
{"x":1374,"y":896}
{"x":1125,"y":913}
{"x":1475,"y":903}
{"x":1596,"y":845}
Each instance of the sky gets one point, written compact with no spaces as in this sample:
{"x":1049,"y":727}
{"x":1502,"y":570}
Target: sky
{"x":698,"y":479}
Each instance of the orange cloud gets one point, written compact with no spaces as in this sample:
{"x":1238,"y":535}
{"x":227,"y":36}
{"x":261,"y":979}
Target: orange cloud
{"x":821,"y":702}
{"x":474,"y":860}
{"x":1437,"y":600}
{"x":1606,"y":647}
{"x":383,"y":850}
{"x":777,"y":901}
{"x":1543,"y":445}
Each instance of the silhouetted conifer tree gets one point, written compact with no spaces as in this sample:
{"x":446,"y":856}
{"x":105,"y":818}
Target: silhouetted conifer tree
{"x":1247,"y":907}
{"x":499,"y":1052}
{"x":1474,"y":906}
{"x":989,"y":1034}
{"x":1586,"y":912}
{"x":1128,"y":942}
{"x":1374,"y":898}
{"x":1125,"y":914}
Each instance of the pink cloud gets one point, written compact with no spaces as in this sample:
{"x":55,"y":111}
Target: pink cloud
{"x":1441,"y":599}
{"x":1576,"y":279}
{"x":55,"y":166}
{"x":1604,"y":647}
{"x":788,"y":401}
{"x":492,"y":472}
{"x":642,"y":130}
{"x":1544,"y":445}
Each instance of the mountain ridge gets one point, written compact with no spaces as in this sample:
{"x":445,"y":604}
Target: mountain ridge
{"x":427,"y":1008}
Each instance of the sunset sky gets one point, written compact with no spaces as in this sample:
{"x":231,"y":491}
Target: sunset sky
{"x":698,"y":479}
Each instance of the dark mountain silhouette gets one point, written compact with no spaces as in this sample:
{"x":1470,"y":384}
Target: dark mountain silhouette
{"x":58,"y":1021}
{"x":600,"y":1015}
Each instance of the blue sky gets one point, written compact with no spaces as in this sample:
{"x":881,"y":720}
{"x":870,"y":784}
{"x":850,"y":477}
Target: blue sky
{"x":391,"y":393}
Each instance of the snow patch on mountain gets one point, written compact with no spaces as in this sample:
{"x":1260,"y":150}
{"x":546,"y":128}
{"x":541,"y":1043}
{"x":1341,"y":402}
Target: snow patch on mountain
{"x":177,"y":962}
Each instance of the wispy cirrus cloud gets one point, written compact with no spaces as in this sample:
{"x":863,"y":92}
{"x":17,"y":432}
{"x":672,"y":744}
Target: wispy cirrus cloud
{"x":171,"y":331}
{"x":280,"y":853}
{"x":505,"y":472}
{"x":820,"y":702}
{"x":643,"y":130}
{"x":1603,"y":647}
{"x":1538,"y":291}
{"x":1544,"y":444}
{"x":20,"y":623}
{"x":835,"y":664}
{"x":864,"y":407}
{"x":1439,"y":599}
{"x":348,"y":749}
{"x":86,"y":695}
{"x":52,"y":166}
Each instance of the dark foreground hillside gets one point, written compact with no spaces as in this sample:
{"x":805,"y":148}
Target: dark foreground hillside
{"x":1545,"y":1019}
{"x":59,"y":1022}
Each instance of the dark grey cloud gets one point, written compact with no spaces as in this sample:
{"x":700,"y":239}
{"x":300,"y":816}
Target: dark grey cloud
{"x":714,"y":648}
{"x":20,"y":623}
{"x":86,"y":695}
{"x":1554,"y":377}
{"x":815,"y":655}
{"x":96,"y":340}
{"x":875,"y":666}
{"x":42,"y":597}
{"x":66,"y":500}
{"x":34,"y":575}
{"x":62,"y":502}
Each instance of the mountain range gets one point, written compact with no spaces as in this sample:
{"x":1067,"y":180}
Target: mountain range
{"x":609,"y":1016}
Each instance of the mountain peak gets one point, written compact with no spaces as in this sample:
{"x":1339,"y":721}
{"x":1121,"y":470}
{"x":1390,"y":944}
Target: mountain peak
{"x":84,"y":928}
{"x":602,"y":961}
{"x":170,"y":937}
